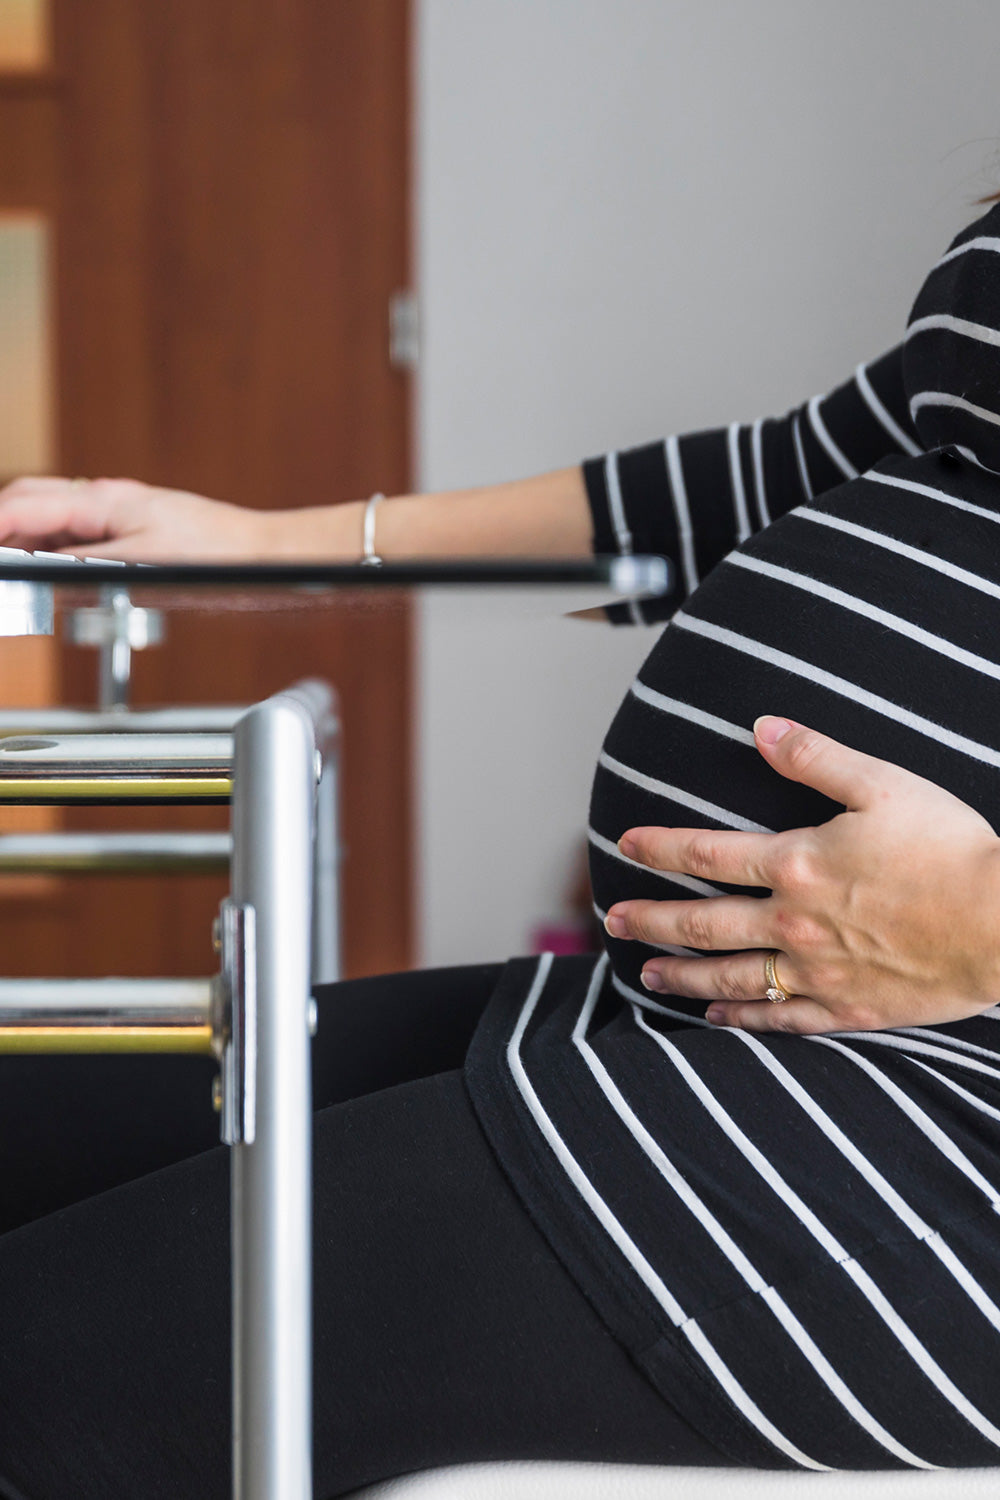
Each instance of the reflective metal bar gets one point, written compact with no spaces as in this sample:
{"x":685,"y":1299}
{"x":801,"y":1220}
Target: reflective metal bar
{"x":274,"y":794}
{"x":107,"y":1015}
{"x":114,"y":853}
{"x":26,"y":608}
{"x":115,"y":767}
{"x":38,"y":791}
{"x":82,"y":755}
{"x":132,"y":1039}
{"x":193,"y":719}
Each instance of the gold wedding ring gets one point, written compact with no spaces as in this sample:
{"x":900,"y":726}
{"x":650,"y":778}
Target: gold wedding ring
{"x":75,"y":484}
{"x":774,"y":990}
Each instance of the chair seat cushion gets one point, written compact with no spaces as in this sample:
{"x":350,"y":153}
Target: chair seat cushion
{"x":551,"y":1481}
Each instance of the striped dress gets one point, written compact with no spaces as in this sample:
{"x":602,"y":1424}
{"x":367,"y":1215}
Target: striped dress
{"x":796,"y":1238}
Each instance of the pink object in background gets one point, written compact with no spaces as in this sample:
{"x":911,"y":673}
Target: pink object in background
{"x":562,"y":938}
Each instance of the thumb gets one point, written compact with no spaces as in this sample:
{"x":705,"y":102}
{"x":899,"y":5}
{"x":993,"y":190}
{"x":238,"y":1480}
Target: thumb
{"x":804,"y":755}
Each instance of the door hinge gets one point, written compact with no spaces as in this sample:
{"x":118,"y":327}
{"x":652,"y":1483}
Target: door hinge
{"x":404,"y":330}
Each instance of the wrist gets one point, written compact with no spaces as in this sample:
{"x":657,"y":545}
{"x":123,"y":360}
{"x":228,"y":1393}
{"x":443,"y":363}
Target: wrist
{"x":313,"y":533}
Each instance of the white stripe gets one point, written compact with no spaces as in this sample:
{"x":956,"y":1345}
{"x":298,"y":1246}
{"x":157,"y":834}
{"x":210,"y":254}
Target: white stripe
{"x":732,"y":1252}
{"x":981,"y":242}
{"x":934,"y":494}
{"x":800,"y":455}
{"x":956,"y":1088}
{"x":682,"y":512}
{"x":900,"y":549}
{"x":982,"y":332}
{"x":956,"y":403}
{"x":617,"y":1233}
{"x":912,"y":1048}
{"x":637,"y":997}
{"x":820,"y":429}
{"x":743,"y":527}
{"x":688,"y":712}
{"x":952,"y":1041}
{"x":689,"y":883}
{"x":913,"y":1346}
{"x":678,"y":794}
{"x":928,"y":1127}
{"x":839,"y":685}
{"x":783,"y":1190}
{"x":757,"y":446}
{"x":882,"y":413}
{"x":966,"y":453}
{"x":868,"y":611}
{"x":623,"y":535}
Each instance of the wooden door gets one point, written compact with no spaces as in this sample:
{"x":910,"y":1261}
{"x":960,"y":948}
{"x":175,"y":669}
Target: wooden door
{"x":228,"y":188}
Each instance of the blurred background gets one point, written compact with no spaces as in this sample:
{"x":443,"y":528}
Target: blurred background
{"x":293,"y":251}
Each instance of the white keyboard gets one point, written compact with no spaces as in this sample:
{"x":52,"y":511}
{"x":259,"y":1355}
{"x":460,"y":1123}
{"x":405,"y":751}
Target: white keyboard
{"x":15,"y":555}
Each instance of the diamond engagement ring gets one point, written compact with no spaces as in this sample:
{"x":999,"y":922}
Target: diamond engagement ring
{"x":774,"y":990}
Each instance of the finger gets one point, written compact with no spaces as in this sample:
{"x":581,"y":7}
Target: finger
{"x":35,"y":484}
{"x":800,"y":1016}
{"x":70,"y":513}
{"x":719,"y":922}
{"x":26,"y":521}
{"x":737,"y":977}
{"x":120,"y":550}
{"x":804,"y":755}
{"x":711,"y":854}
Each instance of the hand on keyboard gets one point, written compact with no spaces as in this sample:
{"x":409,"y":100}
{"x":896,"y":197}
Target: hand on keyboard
{"x":125,"y":521}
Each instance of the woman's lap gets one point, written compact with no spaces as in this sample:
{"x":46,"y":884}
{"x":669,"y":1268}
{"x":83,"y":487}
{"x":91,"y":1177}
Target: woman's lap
{"x":446,"y":1330}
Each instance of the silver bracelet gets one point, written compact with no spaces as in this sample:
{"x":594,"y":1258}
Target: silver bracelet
{"x":369,"y":557}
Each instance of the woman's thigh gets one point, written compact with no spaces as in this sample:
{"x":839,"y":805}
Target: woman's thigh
{"x":71,"y":1127}
{"x":445,"y":1329}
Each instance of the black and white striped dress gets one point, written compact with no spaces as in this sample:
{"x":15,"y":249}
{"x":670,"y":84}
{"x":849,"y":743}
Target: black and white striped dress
{"x":796,"y":1238}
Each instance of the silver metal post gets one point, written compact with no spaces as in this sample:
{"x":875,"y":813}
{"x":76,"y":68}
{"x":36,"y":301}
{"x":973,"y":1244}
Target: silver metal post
{"x":274,"y":792}
{"x":116,"y":627}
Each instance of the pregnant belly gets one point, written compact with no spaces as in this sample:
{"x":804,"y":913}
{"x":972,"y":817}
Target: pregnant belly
{"x":872,"y":615}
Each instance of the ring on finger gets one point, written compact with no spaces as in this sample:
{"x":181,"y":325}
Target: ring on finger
{"x":774,"y":990}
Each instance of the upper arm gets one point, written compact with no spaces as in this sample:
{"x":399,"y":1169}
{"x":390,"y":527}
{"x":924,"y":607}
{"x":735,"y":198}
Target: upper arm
{"x":692,"y":498}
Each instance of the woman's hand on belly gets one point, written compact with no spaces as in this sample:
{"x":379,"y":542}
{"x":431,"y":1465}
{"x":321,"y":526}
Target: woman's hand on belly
{"x":888,"y":915}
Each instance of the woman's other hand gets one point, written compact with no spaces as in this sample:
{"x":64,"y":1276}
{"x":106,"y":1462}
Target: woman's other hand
{"x":133,"y":522}
{"x":888,"y":915}
{"x":121,"y":518}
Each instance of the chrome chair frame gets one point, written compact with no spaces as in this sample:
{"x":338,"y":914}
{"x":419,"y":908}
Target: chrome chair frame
{"x":157,"y":852}
{"x":255,"y":1015}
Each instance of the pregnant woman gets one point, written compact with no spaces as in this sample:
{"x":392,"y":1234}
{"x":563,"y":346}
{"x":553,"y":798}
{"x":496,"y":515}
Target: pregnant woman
{"x":727,"y":1193}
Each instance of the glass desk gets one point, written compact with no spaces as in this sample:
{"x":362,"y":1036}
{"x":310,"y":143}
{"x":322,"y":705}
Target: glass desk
{"x":273,"y":765}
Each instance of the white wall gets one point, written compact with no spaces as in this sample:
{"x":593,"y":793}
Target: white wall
{"x":636,"y":216}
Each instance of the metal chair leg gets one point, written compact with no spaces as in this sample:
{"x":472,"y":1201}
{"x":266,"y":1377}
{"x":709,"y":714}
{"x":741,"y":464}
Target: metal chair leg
{"x":278,"y":746}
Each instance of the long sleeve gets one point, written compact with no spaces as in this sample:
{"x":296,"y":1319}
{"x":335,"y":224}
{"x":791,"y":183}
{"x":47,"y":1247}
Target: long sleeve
{"x":694,"y":498}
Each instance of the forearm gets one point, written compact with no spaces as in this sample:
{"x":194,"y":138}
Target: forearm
{"x":545,"y":516}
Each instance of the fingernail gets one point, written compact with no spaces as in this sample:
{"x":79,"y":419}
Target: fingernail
{"x":770,"y":730}
{"x":615,"y":926}
{"x":627,"y":847}
{"x":716,"y":1014}
{"x":652,"y":980}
